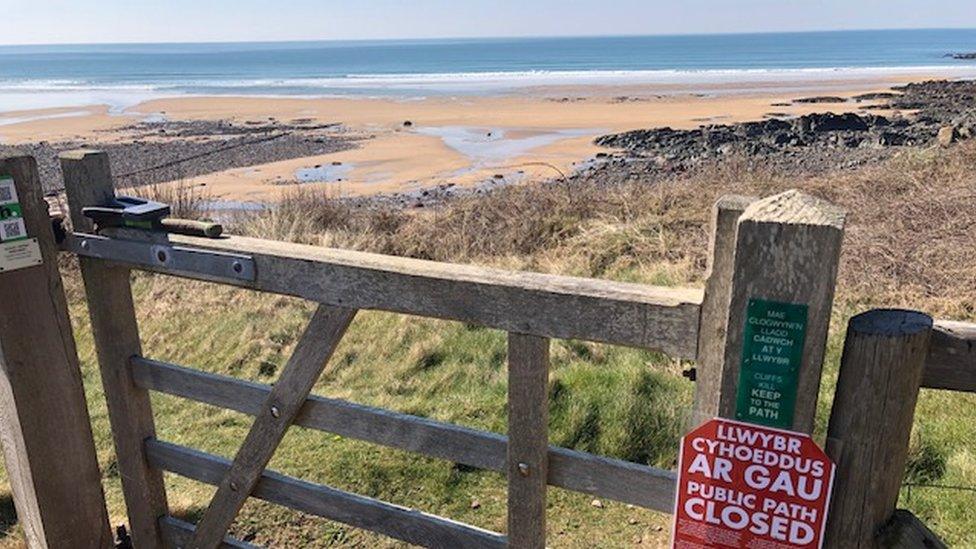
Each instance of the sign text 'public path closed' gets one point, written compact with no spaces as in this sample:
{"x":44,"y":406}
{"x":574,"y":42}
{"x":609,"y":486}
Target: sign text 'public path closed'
{"x":743,"y":485}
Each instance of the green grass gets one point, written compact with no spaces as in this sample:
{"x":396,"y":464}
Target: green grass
{"x":942,"y":450}
{"x":943,"y":453}
{"x":614,"y":401}
{"x":608,"y":400}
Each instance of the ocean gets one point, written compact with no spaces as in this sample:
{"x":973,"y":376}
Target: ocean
{"x":125,"y":74}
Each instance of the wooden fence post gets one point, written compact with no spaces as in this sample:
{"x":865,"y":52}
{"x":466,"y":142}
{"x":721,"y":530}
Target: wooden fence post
{"x":88,"y":181}
{"x":871,"y":420}
{"x":528,"y":440}
{"x":44,"y":424}
{"x":780,"y":275}
{"x":715,"y":308}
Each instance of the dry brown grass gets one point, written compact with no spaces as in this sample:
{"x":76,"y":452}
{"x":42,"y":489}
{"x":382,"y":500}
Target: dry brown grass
{"x":912,"y":231}
{"x":529,"y":225}
{"x":909,"y":242}
{"x":185,"y":201}
{"x":910,"y":239}
{"x":317,"y":217}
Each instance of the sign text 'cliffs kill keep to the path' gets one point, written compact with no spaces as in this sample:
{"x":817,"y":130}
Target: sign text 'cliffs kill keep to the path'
{"x":772,"y":352}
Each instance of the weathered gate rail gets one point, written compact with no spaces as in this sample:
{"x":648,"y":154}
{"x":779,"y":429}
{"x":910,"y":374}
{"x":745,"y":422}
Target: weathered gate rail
{"x":531,"y":307}
{"x":951,"y":360}
{"x":794,"y":238}
{"x":802,"y":235}
{"x":950,"y":363}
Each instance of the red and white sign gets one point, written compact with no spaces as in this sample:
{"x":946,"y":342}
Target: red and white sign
{"x":742,"y":485}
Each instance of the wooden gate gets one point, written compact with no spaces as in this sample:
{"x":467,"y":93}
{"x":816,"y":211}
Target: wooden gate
{"x":793,"y":242}
{"x":531,"y":307}
{"x":784,"y":248}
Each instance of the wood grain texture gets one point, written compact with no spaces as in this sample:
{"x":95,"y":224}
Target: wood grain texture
{"x":635,"y":315}
{"x":787,"y":250}
{"x":528,"y":440}
{"x":600,"y":476}
{"x":710,"y":366}
{"x":316,"y":346}
{"x":951,"y":362}
{"x":391,"y":520}
{"x":47,"y":439}
{"x":88,"y":181}
{"x":871,"y":420}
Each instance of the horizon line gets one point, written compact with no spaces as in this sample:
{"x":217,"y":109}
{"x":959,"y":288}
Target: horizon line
{"x":480,"y":37}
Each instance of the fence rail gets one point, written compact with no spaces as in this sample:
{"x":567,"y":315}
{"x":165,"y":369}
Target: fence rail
{"x":662,"y":318}
{"x":951,"y":361}
{"x":392,"y":520}
{"x":783,"y":249}
{"x":179,"y":533}
{"x":609,"y":478}
{"x":620,"y":313}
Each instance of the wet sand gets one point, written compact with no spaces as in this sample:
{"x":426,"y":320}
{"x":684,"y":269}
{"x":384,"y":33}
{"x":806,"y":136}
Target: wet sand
{"x":410,"y":144}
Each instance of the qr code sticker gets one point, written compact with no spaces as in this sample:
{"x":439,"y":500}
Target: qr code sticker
{"x":8,"y":194}
{"x":12,"y":230}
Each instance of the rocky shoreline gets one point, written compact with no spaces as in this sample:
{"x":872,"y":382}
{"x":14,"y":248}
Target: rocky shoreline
{"x":159,"y":151}
{"x":924,"y":114}
{"x":915,"y":115}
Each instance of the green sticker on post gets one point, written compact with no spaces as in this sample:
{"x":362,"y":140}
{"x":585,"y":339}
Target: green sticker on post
{"x":17,"y":249}
{"x":12,"y":227}
{"x":772,"y":351}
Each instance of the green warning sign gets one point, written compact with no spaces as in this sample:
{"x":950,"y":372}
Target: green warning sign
{"x":772,"y":351}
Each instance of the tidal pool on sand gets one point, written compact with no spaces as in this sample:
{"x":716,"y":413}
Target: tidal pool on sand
{"x":323,"y":173}
{"x":487,"y":146}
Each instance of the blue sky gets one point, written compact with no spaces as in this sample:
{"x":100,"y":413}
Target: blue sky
{"x":83,"y":21}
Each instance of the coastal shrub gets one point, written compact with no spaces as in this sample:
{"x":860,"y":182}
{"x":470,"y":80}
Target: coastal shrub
{"x":910,"y":236}
{"x":186,"y":201}
{"x":926,"y":462}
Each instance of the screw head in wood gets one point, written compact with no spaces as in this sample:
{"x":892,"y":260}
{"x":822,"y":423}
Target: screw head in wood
{"x":233,"y":486}
{"x":523,"y":469}
{"x":275,"y":411}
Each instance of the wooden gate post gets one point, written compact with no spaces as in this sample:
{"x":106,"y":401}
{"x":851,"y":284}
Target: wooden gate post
{"x":44,"y":424}
{"x":528,"y":440}
{"x":783,"y":257}
{"x":871,"y":420}
{"x":715,"y":309}
{"x":88,"y":181}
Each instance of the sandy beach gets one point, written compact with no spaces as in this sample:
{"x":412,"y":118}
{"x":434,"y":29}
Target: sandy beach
{"x":403,"y":145}
{"x":464,"y":274}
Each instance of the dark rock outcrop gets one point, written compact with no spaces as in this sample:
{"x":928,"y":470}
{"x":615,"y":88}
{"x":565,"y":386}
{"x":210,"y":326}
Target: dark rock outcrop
{"x":821,"y":99}
{"x":930,"y":107}
{"x":847,"y":130}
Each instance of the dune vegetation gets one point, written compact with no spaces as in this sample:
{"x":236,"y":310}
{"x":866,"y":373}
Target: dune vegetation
{"x":909,"y":243}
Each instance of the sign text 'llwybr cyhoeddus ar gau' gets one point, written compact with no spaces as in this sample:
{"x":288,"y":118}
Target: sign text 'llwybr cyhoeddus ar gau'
{"x":742,"y":485}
